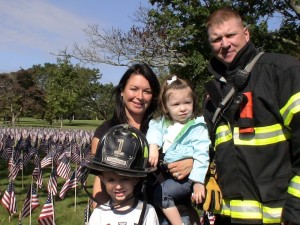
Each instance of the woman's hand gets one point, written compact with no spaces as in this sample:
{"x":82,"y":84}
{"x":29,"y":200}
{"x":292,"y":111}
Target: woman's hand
{"x":180,"y":169}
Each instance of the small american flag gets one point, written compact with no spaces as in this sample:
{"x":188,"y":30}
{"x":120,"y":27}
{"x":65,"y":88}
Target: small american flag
{"x":87,"y":212}
{"x":9,"y":199}
{"x":31,"y":201}
{"x":52,"y":183}
{"x":15,"y":168}
{"x":64,"y":168}
{"x":37,"y":172}
{"x":207,"y":218}
{"x":47,"y":160}
{"x":47,"y":214}
{"x":70,"y":183}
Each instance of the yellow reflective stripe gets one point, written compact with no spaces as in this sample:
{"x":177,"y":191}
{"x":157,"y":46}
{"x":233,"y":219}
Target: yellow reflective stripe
{"x":223,"y":134}
{"x":246,"y":209}
{"x":225,"y":210}
{"x":263,"y":135}
{"x":271,"y":215}
{"x":290,"y":109}
{"x":294,"y":187}
{"x":250,"y":209}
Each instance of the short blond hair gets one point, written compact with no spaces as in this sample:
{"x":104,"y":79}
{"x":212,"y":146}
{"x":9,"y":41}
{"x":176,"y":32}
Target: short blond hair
{"x":221,"y":15}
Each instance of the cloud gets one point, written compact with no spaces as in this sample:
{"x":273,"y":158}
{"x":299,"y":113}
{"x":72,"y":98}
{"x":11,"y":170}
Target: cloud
{"x":39,"y":25}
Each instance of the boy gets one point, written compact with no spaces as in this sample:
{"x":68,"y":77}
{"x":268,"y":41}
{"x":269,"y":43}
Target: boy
{"x":121,"y":162}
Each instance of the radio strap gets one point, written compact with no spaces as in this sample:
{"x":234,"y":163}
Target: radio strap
{"x":232,"y":91}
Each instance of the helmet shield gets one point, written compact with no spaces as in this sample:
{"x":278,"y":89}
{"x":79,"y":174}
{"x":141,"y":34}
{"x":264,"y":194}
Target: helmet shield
{"x":124,"y":150}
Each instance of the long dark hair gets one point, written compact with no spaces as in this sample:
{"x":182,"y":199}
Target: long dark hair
{"x":145,"y":71}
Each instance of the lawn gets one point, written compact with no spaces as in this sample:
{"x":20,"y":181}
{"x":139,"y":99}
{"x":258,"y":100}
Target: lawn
{"x":74,"y":124}
{"x":68,"y":211}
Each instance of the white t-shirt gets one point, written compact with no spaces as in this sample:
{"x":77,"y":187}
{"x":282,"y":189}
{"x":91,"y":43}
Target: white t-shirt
{"x":173,"y":131}
{"x":104,"y":215}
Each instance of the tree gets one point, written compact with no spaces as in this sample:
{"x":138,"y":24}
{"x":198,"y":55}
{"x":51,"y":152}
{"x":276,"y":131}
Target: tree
{"x":173,"y":35}
{"x":66,"y":86}
{"x":19,"y":94}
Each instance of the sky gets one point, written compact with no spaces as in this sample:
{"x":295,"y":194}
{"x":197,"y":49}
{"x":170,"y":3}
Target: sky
{"x":33,"y":29}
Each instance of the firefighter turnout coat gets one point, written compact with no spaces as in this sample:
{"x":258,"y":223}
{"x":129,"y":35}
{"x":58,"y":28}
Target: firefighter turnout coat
{"x":257,"y":153}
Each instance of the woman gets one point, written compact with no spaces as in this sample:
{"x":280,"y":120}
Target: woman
{"x":136,"y":98}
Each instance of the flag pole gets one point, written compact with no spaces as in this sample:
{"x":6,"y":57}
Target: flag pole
{"x":75,"y":188}
{"x":51,"y":181}
{"x":22,"y":168}
{"x":53,"y":217}
{"x":20,"y":219}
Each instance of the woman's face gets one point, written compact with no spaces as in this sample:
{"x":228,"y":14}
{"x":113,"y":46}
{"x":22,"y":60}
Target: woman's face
{"x":137,"y":95}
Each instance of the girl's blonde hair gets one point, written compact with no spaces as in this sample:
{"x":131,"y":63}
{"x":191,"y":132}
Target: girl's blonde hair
{"x":176,"y":83}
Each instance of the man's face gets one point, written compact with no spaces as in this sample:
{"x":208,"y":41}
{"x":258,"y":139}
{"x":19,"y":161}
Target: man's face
{"x":227,"y":39}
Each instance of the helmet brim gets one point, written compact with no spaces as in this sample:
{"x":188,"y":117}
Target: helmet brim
{"x":96,"y":167}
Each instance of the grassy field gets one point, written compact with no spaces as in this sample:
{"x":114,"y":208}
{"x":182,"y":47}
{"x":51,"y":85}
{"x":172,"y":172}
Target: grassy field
{"x":67,"y":211}
{"x":74,"y":124}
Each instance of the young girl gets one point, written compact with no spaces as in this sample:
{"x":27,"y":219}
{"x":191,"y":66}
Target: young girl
{"x":179,"y":133}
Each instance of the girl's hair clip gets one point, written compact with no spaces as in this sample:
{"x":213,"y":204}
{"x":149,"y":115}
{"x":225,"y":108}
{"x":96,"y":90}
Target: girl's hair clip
{"x":172,"y":80}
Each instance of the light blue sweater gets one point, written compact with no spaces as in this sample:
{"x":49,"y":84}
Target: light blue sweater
{"x":191,"y":142}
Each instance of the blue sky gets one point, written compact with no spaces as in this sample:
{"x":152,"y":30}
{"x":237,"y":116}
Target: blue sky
{"x":32,"y":29}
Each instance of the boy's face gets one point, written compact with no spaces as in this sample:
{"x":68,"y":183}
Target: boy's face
{"x":120,"y":188}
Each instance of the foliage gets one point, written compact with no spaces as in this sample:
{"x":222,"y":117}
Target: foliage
{"x":55,"y":91}
{"x":19,"y":94}
{"x":73,"y":91}
{"x":172,"y":34}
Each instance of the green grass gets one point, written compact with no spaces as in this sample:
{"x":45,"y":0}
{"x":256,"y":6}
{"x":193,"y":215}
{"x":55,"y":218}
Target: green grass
{"x":66,"y":212}
{"x":74,"y":124}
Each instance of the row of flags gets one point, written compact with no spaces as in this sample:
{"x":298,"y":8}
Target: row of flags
{"x":59,"y":149}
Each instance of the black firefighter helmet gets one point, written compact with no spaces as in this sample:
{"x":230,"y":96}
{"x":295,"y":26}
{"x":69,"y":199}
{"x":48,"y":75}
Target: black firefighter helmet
{"x":124,"y":150}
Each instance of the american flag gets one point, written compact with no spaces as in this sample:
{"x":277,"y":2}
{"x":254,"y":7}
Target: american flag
{"x":14,"y":169}
{"x":37,"y":172}
{"x":207,"y":218}
{"x":15,"y":155}
{"x":9,"y":199}
{"x":87,"y":212}
{"x":31,"y":201}
{"x":47,"y":160}
{"x":47,"y":214}
{"x":32,"y":151}
{"x":7,"y":147}
{"x":64,"y":168}
{"x":70,"y":183}
{"x":52,"y":183}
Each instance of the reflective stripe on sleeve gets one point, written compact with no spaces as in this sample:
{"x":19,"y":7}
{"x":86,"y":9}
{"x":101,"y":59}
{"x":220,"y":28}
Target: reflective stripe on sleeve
{"x":294,"y":187}
{"x":262,"y":135}
{"x":271,"y":215}
{"x":250,"y":209}
{"x":290,"y":109}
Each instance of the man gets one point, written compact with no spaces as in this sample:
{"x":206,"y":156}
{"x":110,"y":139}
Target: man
{"x":254,"y":124}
